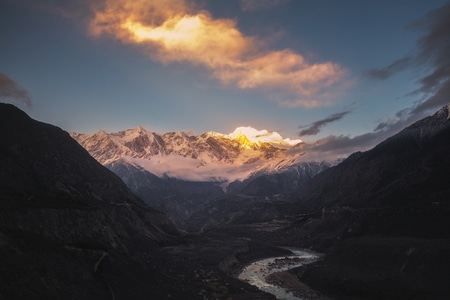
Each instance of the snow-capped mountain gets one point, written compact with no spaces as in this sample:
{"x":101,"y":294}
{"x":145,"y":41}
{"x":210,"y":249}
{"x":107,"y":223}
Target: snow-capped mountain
{"x":181,"y":174}
{"x":210,"y":156}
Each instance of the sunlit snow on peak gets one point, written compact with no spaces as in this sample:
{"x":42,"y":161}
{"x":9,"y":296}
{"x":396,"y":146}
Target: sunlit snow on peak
{"x":261,"y":136}
{"x":211,"y":156}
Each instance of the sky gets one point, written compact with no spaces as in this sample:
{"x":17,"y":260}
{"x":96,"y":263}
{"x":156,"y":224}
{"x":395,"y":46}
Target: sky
{"x":339,"y":75}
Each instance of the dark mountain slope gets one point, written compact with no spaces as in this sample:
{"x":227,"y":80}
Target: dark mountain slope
{"x":414,"y":163}
{"x":384,"y":217}
{"x":177,"y":198}
{"x":70,"y":228}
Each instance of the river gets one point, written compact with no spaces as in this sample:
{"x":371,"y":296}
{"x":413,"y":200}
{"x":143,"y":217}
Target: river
{"x":257,"y":272}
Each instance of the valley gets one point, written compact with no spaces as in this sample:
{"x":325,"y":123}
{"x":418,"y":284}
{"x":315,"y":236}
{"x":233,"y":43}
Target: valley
{"x":193,"y":179}
{"x":224,"y":150}
{"x":93,"y":205}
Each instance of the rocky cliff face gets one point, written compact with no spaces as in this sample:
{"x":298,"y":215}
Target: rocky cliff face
{"x":70,"y":228}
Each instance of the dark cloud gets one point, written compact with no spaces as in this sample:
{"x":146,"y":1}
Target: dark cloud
{"x":10,"y":90}
{"x":439,"y":99}
{"x":432,"y":58}
{"x":386,"y":72}
{"x":333,"y":147}
{"x":383,"y":125}
{"x":344,"y":144}
{"x":314,"y":128}
{"x":435,"y":57}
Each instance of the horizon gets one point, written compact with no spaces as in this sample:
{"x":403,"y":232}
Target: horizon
{"x":343,"y":75}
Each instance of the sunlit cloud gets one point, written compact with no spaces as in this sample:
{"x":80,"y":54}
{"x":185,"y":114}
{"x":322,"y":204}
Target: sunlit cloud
{"x":178,"y":32}
{"x":262,"y":136}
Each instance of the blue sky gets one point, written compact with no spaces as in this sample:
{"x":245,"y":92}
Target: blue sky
{"x":346,"y":73}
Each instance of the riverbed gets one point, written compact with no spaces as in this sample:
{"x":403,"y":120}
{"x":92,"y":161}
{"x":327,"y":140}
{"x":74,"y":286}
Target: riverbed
{"x":257,"y":272}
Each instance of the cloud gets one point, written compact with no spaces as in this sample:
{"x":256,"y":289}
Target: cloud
{"x":344,"y":144}
{"x":176,"y":31}
{"x":338,"y":146}
{"x":431,"y":57}
{"x":10,"y":90}
{"x":434,"y":56}
{"x":333,"y":147}
{"x":386,"y":72}
{"x":247,"y":5}
{"x":264,"y":136}
{"x":439,"y":99}
{"x":314,"y":128}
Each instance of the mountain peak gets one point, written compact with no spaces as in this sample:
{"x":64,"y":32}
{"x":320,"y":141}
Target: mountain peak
{"x":445,"y":111}
{"x":261,"y":136}
{"x":244,"y":141}
{"x":100,"y":133}
{"x":140,"y":129}
{"x":180,"y":155}
{"x":137,"y":131}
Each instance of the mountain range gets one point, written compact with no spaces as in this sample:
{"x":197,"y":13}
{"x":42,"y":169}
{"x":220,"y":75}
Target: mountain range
{"x":70,"y":228}
{"x":212,"y":156}
{"x":181,"y":174}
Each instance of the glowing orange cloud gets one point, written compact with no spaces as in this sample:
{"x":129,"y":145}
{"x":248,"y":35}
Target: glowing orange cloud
{"x":176,"y":31}
{"x":196,"y":39}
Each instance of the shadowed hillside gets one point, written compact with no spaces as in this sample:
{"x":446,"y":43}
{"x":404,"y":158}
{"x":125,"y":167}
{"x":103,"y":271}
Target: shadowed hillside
{"x":384,"y":217}
{"x":70,"y":228}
